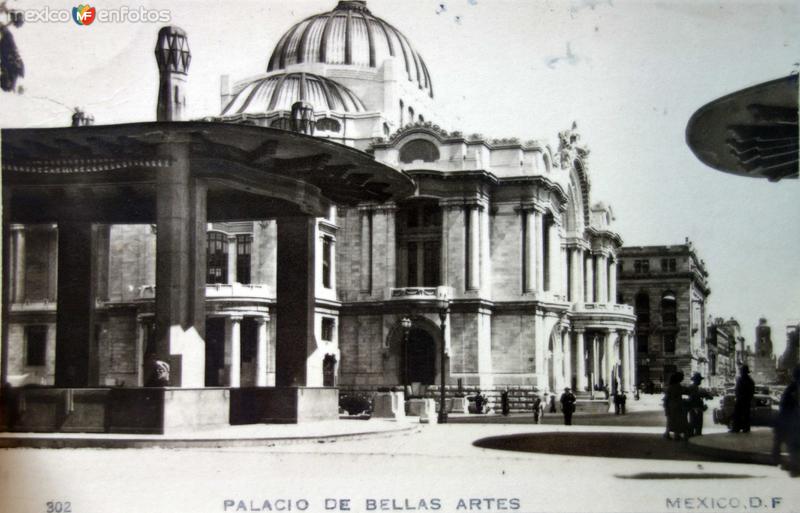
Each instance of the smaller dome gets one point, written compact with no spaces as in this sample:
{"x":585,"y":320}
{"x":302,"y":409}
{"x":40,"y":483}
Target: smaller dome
{"x":281,"y":91}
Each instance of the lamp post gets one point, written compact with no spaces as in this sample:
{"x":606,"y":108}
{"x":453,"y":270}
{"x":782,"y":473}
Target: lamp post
{"x":443,"y":308}
{"x":405,"y":323}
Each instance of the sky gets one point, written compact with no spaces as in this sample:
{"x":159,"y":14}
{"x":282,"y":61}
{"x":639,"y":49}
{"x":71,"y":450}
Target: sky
{"x":630,"y":73}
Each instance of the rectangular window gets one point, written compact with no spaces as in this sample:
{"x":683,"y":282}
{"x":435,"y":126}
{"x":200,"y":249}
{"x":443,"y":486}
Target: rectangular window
{"x":672,"y":265}
{"x":244,"y":244}
{"x":328,"y":325}
{"x":35,"y":346}
{"x":217,"y":258}
{"x":411,"y":266}
{"x":669,"y":343}
{"x":664,"y":265}
{"x":637,"y":266}
{"x":327,"y":262}
{"x":430,"y":262}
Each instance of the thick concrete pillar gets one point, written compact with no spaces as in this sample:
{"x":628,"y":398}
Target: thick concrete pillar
{"x":626,"y":371}
{"x":567,"y":344}
{"x":530,"y":250}
{"x":366,"y":250}
{"x":18,"y":263}
{"x":601,"y":286}
{"x":295,"y":296}
{"x":580,"y":360}
{"x":76,"y":348}
{"x":539,"y":235}
{"x":231,"y":278}
{"x":590,"y":298}
{"x":233,"y":341}
{"x":262,"y":344}
{"x":180,"y":269}
{"x":612,"y":281}
{"x":474,"y":241}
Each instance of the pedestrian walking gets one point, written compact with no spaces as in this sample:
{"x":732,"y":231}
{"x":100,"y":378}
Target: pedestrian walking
{"x":674,"y":407}
{"x":538,"y":410}
{"x":787,"y":426}
{"x":745,"y":389}
{"x":697,"y":404}
{"x":553,"y":403}
{"x":504,"y":407}
{"x":567,"y":405}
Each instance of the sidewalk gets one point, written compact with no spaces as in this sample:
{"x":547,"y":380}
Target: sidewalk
{"x":752,"y":447}
{"x":231,"y":436}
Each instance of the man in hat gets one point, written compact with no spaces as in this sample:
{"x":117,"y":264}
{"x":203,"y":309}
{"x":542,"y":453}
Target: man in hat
{"x":696,"y":405}
{"x":567,"y":405}
{"x":745,"y":390}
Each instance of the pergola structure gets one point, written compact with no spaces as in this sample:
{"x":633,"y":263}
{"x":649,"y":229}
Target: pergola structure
{"x":751,"y":132}
{"x":180,"y":176}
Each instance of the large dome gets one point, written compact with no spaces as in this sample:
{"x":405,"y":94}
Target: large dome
{"x":349,"y":34}
{"x":281,"y":90}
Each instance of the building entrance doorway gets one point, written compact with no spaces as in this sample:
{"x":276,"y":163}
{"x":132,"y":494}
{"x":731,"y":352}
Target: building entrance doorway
{"x":420,"y":358}
{"x":215,"y":352}
{"x":329,"y":371}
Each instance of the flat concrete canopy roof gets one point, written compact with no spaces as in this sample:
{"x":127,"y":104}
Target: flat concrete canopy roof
{"x":108,"y":173}
{"x":752,"y":132}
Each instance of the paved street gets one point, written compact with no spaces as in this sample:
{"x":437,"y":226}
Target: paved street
{"x":432,"y":462}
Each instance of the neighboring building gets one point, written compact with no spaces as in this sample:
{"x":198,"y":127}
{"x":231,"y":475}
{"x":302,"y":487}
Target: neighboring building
{"x":791,"y":355}
{"x":722,"y":341}
{"x":501,"y":237}
{"x":764,"y":366}
{"x":668,"y":288}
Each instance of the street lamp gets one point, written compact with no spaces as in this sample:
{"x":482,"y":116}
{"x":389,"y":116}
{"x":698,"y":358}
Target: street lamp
{"x":443,"y":308}
{"x":405,"y":323}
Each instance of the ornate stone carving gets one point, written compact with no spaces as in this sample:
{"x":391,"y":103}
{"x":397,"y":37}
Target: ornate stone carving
{"x":569,"y":146}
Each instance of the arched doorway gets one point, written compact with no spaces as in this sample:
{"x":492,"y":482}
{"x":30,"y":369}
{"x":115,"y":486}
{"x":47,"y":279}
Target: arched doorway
{"x":420,"y":358}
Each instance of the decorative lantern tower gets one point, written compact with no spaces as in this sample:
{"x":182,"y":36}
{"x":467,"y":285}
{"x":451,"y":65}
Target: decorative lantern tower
{"x":303,"y":118}
{"x":173,"y":57}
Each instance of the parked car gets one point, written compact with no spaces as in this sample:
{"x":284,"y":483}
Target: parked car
{"x":763,"y":408}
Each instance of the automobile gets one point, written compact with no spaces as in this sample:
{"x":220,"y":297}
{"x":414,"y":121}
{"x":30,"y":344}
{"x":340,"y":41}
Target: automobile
{"x":763,"y":408}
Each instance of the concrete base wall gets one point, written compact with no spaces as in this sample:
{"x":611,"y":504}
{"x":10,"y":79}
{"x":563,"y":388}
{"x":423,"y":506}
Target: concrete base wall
{"x":283,"y":405}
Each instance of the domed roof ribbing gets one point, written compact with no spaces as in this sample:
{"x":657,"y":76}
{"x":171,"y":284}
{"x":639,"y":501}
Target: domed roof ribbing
{"x":281,"y":90}
{"x":349,"y":34}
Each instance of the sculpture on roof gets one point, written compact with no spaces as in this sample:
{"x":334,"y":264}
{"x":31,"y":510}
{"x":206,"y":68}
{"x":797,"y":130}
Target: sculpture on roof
{"x":569,"y":146}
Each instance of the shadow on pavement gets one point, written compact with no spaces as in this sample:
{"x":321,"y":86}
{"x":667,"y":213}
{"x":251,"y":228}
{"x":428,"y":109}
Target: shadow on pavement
{"x":604,"y":445}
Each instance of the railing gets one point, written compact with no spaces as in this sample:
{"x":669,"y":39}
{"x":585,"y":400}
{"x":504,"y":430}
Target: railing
{"x":221,"y":290}
{"x":419,"y":293}
{"x":603,"y":308}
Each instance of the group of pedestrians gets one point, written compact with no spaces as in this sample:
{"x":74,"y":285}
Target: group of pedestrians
{"x":684,"y":407}
{"x":567,"y":401}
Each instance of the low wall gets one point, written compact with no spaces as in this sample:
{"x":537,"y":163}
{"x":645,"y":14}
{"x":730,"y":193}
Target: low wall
{"x":254,"y":405}
{"x":46,"y":410}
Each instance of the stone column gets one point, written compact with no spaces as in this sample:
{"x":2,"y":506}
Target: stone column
{"x":612,"y":281}
{"x":141,"y":341}
{"x":601,"y":286}
{"x":590,"y":298}
{"x":539,"y":263}
{"x":5,"y":290}
{"x":579,"y":270}
{"x":567,"y":345}
{"x":530,"y":250}
{"x":180,"y":268}
{"x":540,"y":350}
{"x":474,"y":270}
{"x":596,"y":360}
{"x":231,"y":278}
{"x":610,"y":357}
{"x":555,"y":258}
{"x":486,"y":262}
{"x":262,"y":344}
{"x":563,"y":265}
{"x":632,"y":359}
{"x":580,"y":360}
{"x":366,"y":250}
{"x":76,"y":351}
{"x":233,"y":339}
{"x":295,"y":340}
{"x":18,"y":263}
{"x":623,"y":342}
{"x":575,"y":291}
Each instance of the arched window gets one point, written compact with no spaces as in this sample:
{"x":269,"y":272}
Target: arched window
{"x":217,"y":257}
{"x":419,"y":149}
{"x":642,"y":308}
{"x":329,"y":125}
{"x":669,"y":309}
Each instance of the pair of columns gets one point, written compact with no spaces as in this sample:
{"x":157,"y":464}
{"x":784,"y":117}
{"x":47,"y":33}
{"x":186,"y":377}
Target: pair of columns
{"x":601,"y":279}
{"x":536,"y":230}
{"x":615,"y":348}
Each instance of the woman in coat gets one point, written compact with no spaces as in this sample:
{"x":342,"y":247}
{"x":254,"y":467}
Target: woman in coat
{"x":674,"y":407}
